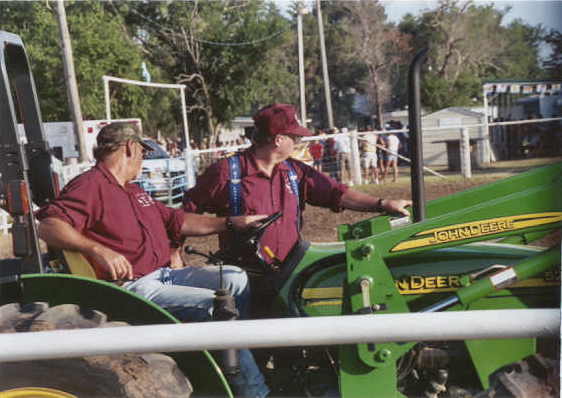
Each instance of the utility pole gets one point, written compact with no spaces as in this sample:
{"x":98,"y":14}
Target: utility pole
{"x":71,"y":85}
{"x":325,"y":67}
{"x":301,"y":11}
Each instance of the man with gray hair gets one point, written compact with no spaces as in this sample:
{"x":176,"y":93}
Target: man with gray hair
{"x":126,"y":235}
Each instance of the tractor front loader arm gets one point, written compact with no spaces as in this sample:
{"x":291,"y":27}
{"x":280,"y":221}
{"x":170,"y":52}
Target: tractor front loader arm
{"x":371,"y":285}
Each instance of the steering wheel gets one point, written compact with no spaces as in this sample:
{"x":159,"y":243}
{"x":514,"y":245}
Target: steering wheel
{"x":251,"y":237}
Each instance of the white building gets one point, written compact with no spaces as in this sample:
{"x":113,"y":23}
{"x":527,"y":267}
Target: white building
{"x":441,"y":136}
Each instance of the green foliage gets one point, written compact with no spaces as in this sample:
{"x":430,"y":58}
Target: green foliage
{"x":99,"y":48}
{"x":468,"y":45}
{"x":36,"y":24}
{"x":235,"y":57}
{"x":218,"y":50}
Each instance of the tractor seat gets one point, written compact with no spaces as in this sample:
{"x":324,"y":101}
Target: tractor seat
{"x":78,"y":265}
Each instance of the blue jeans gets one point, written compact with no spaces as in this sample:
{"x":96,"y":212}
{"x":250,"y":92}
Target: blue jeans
{"x":188,"y":294}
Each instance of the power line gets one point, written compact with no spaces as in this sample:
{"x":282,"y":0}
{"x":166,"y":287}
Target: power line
{"x":214,"y":43}
{"x":246,"y":43}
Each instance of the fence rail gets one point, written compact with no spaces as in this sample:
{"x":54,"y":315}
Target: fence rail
{"x":286,"y":332}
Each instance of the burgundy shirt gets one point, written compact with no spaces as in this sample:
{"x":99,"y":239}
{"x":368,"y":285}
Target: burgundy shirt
{"x":263,"y":194}
{"x":125,"y":219}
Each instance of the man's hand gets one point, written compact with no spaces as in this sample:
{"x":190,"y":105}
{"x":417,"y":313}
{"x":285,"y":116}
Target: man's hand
{"x":61,"y":235}
{"x":396,"y":206}
{"x":243,"y":223}
{"x":359,"y":201}
{"x":116,"y":264}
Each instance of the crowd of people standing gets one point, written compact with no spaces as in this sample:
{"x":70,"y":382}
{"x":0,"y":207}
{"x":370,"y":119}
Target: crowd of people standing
{"x":331,"y":153}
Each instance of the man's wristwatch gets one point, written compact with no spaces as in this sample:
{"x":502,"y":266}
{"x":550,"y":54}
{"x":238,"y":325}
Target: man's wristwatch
{"x":229,"y":224}
{"x":379,"y":204}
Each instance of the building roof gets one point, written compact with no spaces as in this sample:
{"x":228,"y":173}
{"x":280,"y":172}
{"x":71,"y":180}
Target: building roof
{"x":462,"y":111}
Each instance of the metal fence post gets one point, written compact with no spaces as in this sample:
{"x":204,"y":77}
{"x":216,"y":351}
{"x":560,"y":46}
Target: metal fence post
{"x":355,"y":158}
{"x":466,"y":167}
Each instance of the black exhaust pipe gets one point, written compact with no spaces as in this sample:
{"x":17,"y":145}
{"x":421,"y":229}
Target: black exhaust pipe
{"x":414,"y":121}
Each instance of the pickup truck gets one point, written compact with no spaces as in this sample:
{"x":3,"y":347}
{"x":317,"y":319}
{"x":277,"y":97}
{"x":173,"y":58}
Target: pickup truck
{"x":161,"y":176}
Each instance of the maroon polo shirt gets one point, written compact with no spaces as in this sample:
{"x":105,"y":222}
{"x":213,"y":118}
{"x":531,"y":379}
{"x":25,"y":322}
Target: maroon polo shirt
{"x":124,"y":219}
{"x":263,"y":194}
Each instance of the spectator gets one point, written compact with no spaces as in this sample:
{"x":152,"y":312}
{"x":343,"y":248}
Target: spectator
{"x":393,"y":145}
{"x":171,"y":147}
{"x":205,"y":157}
{"x":330,"y":157}
{"x":343,"y":148}
{"x":369,"y":156}
{"x":317,"y":151}
{"x":382,"y":154}
{"x":180,"y":145}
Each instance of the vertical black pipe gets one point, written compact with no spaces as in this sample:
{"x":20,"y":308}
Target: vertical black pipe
{"x":414,"y":121}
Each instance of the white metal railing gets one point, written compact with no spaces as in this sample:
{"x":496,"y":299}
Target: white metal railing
{"x":286,"y":332}
{"x":197,"y":159}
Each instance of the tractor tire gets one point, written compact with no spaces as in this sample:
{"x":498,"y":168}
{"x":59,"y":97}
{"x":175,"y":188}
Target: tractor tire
{"x":121,"y":375}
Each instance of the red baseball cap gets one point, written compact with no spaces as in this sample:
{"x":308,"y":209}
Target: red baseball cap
{"x":279,"y":119}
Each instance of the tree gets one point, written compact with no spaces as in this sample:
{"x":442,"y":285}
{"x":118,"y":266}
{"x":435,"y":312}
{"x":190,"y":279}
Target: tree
{"x":378,"y":46}
{"x":36,"y":24}
{"x":467,"y":45}
{"x":221,"y":50}
{"x":553,"y":63}
{"x":238,"y":56}
{"x":93,"y":31}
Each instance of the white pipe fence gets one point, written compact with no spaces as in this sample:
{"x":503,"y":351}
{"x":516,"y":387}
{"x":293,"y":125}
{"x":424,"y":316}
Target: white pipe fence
{"x":198,"y":159}
{"x":286,"y":332}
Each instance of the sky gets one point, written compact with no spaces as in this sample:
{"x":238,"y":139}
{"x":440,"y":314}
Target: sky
{"x":548,"y":12}
{"x":534,"y":12}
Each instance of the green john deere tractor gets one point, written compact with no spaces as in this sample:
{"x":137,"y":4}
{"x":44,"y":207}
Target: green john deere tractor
{"x":464,"y":252}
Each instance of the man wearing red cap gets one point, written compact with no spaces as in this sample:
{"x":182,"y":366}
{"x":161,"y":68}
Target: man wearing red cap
{"x":266,"y":186}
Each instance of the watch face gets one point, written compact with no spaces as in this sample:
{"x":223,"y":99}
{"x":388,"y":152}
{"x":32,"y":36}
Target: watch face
{"x":229,"y":224}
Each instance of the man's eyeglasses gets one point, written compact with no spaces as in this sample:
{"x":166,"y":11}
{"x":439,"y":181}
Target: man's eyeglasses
{"x":296,"y":138}
{"x":143,"y":149}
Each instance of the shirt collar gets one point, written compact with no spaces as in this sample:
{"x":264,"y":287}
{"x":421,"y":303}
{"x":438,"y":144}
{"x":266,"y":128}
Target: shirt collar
{"x":252,"y":166}
{"x":106,"y":173}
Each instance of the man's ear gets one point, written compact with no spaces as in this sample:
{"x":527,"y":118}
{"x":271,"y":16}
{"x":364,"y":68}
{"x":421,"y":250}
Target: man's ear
{"x":277,"y":140}
{"x":129,"y":150}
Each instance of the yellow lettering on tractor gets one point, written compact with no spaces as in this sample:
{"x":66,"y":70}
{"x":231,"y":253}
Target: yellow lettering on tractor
{"x":476,"y":229}
{"x":417,"y":284}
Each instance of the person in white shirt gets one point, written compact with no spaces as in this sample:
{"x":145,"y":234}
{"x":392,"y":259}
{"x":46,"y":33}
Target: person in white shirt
{"x":393,"y":144}
{"x":369,"y":156}
{"x":343,"y":147}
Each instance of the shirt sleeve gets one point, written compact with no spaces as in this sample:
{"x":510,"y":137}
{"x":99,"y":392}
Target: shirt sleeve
{"x":319,"y":189}
{"x":78,"y":205}
{"x":210,"y":193}
{"x":173,"y":220}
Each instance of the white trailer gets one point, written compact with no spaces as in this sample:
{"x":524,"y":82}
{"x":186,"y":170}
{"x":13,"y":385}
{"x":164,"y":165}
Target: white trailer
{"x":62,"y":139}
